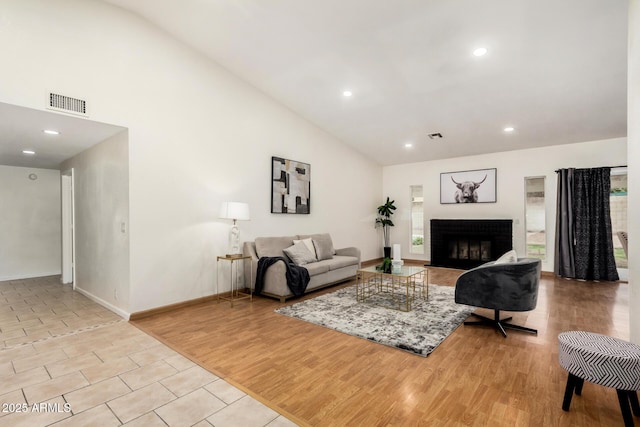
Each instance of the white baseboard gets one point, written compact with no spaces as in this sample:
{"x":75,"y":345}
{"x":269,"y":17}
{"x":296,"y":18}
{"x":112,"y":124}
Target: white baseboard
{"x":104,"y":303}
{"x":29,"y":276}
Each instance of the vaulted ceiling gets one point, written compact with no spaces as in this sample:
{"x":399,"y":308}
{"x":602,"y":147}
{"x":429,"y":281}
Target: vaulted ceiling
{"x":555,"y":71}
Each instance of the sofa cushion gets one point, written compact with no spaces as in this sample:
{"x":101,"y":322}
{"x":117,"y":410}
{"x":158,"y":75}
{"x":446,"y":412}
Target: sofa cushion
{"x":339,"y":261}
{"x":300,"y":254}
{"x":323,"y":240}
{"x":272,"y":246}
{"x":316,"y":268}
{"x":309,"y":243}
{"x":323,"y":244}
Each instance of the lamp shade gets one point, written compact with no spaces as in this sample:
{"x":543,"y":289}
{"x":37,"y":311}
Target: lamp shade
{"x":234,"y":210}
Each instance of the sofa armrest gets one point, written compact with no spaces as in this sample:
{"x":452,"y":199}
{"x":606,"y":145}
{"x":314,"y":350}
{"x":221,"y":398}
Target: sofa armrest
{"x":354,"y":252}
{"x":274,"y":276}
{"x":249,"y":249}
{"x":275,"y":279}
{"x":250,"y":266}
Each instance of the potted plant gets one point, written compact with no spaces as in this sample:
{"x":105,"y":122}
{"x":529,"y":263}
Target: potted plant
{"x":384,"y":220}
{"x":385,"y":267}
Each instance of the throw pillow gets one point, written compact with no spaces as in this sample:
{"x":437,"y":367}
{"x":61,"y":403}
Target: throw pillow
{"x":299,"y":254}
{"x":509,"y":257}
{"x":324,"y":247}
{"x":309,"y":244}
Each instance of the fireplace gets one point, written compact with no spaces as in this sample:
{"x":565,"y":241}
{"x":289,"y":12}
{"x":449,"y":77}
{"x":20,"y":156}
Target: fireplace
{"x":467,"y":243}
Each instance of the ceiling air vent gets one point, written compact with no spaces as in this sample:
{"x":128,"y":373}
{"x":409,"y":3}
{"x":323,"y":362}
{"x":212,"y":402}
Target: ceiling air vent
{"x":67,"y":104}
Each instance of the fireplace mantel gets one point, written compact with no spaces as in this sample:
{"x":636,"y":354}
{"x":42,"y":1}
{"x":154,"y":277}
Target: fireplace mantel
{"x":467,"y":243}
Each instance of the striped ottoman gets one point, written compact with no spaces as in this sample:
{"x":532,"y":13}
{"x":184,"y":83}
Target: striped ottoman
{"x":602,"y":360}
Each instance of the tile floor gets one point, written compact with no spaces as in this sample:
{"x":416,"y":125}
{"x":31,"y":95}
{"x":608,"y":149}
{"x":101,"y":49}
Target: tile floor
{"x":67,"y":361}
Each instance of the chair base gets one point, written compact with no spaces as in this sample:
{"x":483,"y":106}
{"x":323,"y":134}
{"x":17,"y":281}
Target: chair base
{"x":499,"y":324}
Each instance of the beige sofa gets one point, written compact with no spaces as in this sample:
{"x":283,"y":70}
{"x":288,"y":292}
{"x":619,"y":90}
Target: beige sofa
{"x":339,"y":265}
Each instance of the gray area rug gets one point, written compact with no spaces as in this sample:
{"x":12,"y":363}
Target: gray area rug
{"x":419,"y":331}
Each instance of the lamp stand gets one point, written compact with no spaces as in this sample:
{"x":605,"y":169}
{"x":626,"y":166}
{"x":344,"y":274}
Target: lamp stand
{"x":234,"y":241}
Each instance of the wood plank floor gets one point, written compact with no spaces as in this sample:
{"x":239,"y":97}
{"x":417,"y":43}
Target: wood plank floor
{"x":476,"y":377}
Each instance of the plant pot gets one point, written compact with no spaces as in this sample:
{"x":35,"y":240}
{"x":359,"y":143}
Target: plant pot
{"x":387,"y":252}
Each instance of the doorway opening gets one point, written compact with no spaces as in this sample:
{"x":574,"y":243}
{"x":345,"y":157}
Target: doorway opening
{"x":618,"y":207}
{"x":68,"y":243}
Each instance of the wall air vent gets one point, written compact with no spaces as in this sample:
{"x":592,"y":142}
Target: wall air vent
{"x":67,"y":104}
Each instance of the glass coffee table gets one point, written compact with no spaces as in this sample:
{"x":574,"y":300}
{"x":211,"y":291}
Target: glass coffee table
{"x":392,"y":290}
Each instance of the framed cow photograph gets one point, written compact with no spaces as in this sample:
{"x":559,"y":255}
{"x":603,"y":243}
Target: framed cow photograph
{"x":474,"y":186}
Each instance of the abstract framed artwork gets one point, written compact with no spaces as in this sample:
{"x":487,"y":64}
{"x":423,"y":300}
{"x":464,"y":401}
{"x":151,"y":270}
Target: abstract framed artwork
{"x":290,"y":186}
{"x":474,"y":186}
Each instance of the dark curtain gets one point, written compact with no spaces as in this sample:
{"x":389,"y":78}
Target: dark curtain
{"x":594,"y":256}
{"x":564,"y":264}
{"x":584,"y":245}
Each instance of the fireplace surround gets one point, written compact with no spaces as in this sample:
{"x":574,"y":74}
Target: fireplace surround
{"x":468,"y":243}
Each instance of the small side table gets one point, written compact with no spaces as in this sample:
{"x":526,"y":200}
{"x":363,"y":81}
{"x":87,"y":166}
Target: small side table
{"x":235,"y":294}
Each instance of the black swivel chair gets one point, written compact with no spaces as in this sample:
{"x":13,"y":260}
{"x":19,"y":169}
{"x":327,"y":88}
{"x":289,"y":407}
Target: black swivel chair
{"x":508,"y":286}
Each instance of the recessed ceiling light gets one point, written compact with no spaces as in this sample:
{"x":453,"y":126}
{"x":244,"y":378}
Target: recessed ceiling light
{"x":28,"y":152}
{"x":51,"y":132}
{"x":481,"y":51}
{"x":347,"y":93}
{"x":509,"y":129}
{"x":408,"y":145}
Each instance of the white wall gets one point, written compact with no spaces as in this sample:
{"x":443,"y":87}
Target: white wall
{"x":512,"y":167}
{"x":101,"y":201}
{"x":30,"y":242}
{"x":197,"y":136}
{"x":633,"y":134}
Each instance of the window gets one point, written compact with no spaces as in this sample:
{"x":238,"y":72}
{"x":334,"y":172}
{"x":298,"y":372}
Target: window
{"x":417,"y":220}
{"x":535,"y":219}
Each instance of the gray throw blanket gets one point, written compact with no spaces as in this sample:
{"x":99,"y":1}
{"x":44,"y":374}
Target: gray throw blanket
{"x":297,"y":276}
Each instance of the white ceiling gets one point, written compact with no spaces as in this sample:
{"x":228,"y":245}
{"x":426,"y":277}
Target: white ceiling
{"x":22,"y":129}
{"x":555,"y":70}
